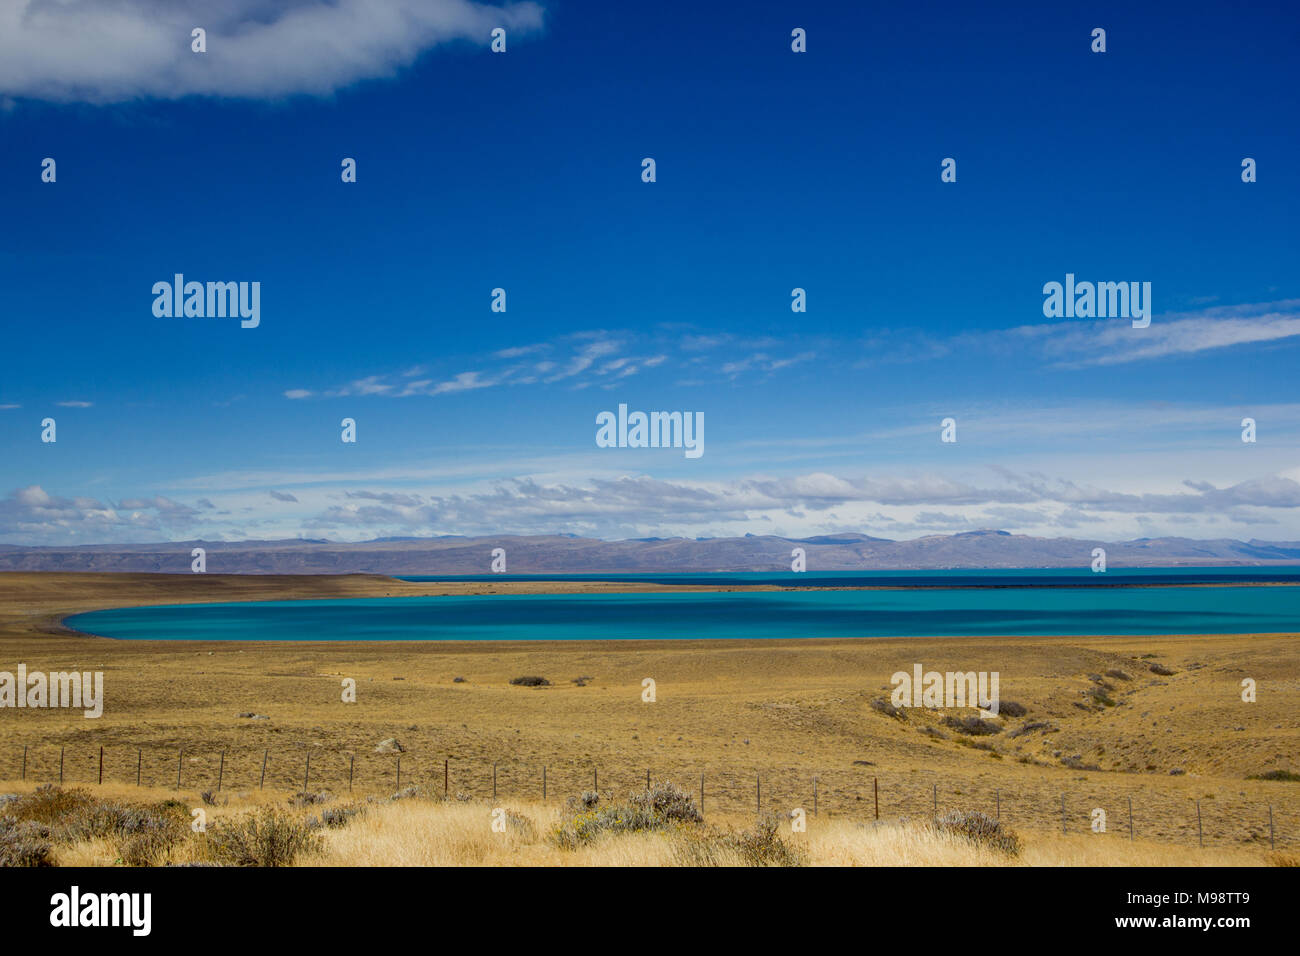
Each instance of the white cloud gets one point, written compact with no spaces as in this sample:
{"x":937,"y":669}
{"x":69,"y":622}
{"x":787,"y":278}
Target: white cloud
{"x":95,"y":51}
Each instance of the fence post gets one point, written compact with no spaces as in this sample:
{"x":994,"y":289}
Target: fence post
{"x":875,"y":787}
{"x":306,"y":775}
{"x":758,"y":793}
{"x":399,"y":771}
{"x":1271,"y":844}
{"x":446,"y":777}
{"x":24,"y":761}
{"x":351,"y":759}
{"x":595,"y":780}
{"x":1270,"y":812}
{"x":997,"y":795}
{"x":180,"y":754}
{"x":60,"y":766}
{"x":139,"y":764}
{"x":647,"y":779}
{"x":1130,"y":819}
{"x":494,"y":780}
{"x":101,"y":764}
{"x":1200,"y":833}
{"x":262,"y":783}
{"x":936,"y":801}
{"x":543,"y":783}
{"x":221,"y":771}
{"x":1063,"y":813}
{"x":814,"y":794}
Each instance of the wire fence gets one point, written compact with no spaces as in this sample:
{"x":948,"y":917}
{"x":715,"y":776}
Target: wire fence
{"x":1131,"y":810}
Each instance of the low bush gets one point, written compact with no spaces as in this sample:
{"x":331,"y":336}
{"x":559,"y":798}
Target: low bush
{"x":980,"y":829}
{"x":24,"y":843}
{"x":268,"y":838}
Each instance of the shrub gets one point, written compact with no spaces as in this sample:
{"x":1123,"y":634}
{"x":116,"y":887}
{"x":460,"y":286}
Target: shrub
{"x":1118,"y":674}
{"x":668,"y":802}
{"x":887,"y":708}
{"x":1276,"y":775}
{"x":50,"y":804}
{"x":1009,"y":708}
{"x":142,"y":833}
{"x":521,"y":826}
{"x":1031,"y":727}
{"x":336,"y":817}
{"x":663,"y":807}
{"x":974,"y":726}
{"x":269,"y":838}
{"x":1161,"y":670}
{"x":1076,"y":763}
{"x":1101,"y":697}
{"x":979,"y":829}
{"x":762,"y":845}
{"x":530,"y":682}
{"x":306,"y":799}
{"x":24,"y":843}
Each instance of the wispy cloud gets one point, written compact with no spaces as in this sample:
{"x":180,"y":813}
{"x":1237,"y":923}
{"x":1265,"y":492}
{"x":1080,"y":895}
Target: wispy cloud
{"x":95,"y":52}
{"x":1115,"y":342}
{"x":1080,"y":343}
{"x":597,"y":358}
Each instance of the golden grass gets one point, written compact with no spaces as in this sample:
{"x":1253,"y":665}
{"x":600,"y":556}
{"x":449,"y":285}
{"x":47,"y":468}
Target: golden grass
{"x":412,"y":833}
{"x":421,"y":832}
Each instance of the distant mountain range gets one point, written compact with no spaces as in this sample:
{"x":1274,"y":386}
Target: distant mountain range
{"x":565,"y":553}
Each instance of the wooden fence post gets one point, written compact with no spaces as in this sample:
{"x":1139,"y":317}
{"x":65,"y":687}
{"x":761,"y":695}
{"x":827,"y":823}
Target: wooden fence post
{"x":60,"y":766}
{"x":494,"y":780}
{"x":180,"y":754}
{"x":1062,"y":812}
{"x":1271,"y":844}
{"x":814,"y":794}
{"x":306,"y":775}
{"x":101,"y":764}
{"x":1200,"y":832}
{"x":702,"y":797}
{"x":543,"y":783}
{"x":399,"y":771}
{"x":221,"y":771}
{"x":351,"y":760}
{"x":262,"y":782}
{"x":875,"y":787}
{"x":139,"y":765}
{"x":24,"y":761}
{"x":1130,"y":819}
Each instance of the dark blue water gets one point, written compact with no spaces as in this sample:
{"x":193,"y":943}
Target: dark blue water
{"x":947,"y":578}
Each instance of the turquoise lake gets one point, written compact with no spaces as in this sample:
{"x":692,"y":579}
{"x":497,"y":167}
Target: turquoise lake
{"x":1008,"y":606}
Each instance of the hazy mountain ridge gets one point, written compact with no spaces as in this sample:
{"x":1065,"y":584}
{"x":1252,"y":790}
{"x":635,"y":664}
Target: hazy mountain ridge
{"x":569,"y":554}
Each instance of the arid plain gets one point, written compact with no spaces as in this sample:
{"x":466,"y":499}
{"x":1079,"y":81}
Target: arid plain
{"x":762,"y":722}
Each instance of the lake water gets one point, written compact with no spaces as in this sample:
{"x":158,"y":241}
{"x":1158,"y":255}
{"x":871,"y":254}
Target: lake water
{"x":1060,"y":605}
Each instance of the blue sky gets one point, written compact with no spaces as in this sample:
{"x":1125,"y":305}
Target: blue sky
{"x":522,"y":170}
